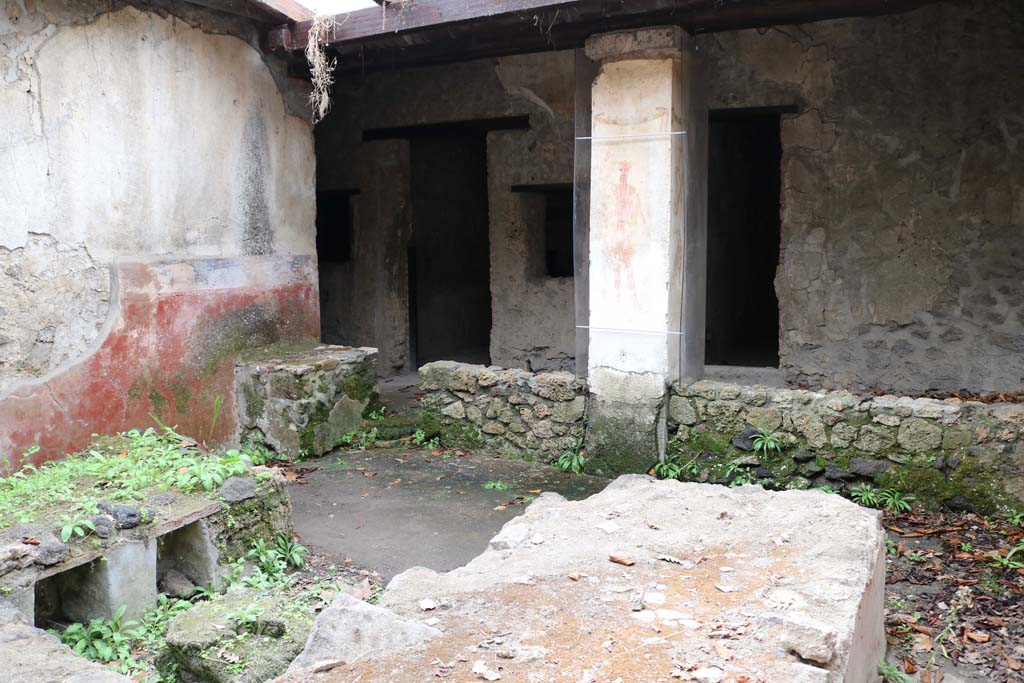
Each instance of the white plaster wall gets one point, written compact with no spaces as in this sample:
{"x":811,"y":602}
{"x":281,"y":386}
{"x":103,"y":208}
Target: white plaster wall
{"x":137,"y":135}
{"x":132,"y":135}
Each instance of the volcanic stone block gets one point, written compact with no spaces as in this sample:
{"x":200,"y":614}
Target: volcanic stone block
{"x":305,"y":401}
{"x":791,"y":583}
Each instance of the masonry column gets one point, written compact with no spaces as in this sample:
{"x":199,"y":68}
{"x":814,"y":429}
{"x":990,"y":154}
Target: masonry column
{"x":648,"y":174}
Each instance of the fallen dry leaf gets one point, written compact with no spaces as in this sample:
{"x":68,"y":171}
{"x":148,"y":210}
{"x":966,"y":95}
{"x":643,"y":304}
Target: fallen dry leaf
{"x":923,"y":643}
{"x":652,"y":525}
{"x":622,"y":559}
{"x":723,"y":652}
{"x":976,"y":636}
{"x":909,"y":665}
{"x":369,"y":474}
{"x":30,"y":540}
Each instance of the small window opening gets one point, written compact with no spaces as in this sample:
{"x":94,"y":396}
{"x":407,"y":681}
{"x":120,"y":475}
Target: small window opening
{"x":558,"y":226}
{"x":558,"y":232}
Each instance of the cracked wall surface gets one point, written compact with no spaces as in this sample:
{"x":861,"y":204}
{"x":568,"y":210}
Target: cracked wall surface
{"x":54,"y":299}
{"x":903,"y":193}
{"x":156,"y":215}
{"x":367,"y":298}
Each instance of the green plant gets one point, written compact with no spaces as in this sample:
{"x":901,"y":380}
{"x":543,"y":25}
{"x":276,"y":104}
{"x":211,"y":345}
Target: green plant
{"x":292,"y":552}
{"x":865,"y":494}
{"x":1006,"y":561}
{"x":966,"y":547}
{"x":917,"y":556}
{"x":1016,"y":518}
{"x":378,"y":414}
{"x":247,"y":617}
{"x":496,"y":486}
{"x":419,"y":437}
{"x":573,"y":459}
{"x":827,"y":489}
{"x":267,"y":558}
{"x":669,"y":468}
{"x":104,"y":640}
{"x":890,"y":673}
{"x":71,"y":525}
{"x":894,"y":501}
{"x":891,"y":548}
{"x":766,"y":442}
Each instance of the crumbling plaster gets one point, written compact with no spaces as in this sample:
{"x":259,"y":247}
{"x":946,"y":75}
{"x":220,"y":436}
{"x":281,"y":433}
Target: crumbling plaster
{"x":131,"y":134}
{"x":903,"y":193}
{"x":530,"y":325}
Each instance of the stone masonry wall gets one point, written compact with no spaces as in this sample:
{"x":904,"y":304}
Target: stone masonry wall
{"x":902,"y":192}
{"x":305,"y":401}
{"x":509,"y":412}
{"x":959,"y":453}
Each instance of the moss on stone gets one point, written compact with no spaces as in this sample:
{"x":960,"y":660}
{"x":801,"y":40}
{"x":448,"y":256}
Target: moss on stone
{"x":362,"y":386}
{"x":254,"y":403}
{"x":460,"y":435}
{"x":397,"y":425}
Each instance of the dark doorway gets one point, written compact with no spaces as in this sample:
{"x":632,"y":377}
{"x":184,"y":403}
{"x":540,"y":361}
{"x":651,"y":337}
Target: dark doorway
{"x":744,"y":175}
{"x":334,"y":262}
{"x":449,"y":259}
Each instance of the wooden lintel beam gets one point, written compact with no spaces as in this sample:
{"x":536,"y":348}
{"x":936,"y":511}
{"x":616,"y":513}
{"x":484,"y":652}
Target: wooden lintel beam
{"x":290,"y":9}
{"x":406,"y":17}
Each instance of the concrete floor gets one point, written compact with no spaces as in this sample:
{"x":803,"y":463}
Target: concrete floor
{"x":417,"y":509}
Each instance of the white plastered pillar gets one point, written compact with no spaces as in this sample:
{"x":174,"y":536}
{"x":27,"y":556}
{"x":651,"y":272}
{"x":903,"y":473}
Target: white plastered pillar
{"x":647,"y":238}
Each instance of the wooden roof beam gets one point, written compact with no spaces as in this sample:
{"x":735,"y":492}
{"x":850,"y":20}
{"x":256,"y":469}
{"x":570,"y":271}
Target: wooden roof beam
{"x":397,"y":17}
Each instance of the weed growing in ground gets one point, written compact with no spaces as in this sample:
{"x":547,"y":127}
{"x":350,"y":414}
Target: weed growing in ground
{"x":496,"y":486}
{"x":573,"y":459}
{"x":894,"y":501}
{"x":890,"y":673}
{"x":419,"y":437}
{"x":127,"y":467}
{"x":1014,"y":517}
{"x":105,"y":640}
{"x":669,"y":468}
{"x":292,"y":552}
{"x":1007,"y":561}
{"x":865,"y":494}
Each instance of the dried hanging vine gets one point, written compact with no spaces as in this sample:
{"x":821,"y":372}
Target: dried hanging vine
{"x":321,"y":68}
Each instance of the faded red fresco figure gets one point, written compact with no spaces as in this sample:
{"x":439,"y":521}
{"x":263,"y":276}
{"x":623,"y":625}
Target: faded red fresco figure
{"x":628,"y":229}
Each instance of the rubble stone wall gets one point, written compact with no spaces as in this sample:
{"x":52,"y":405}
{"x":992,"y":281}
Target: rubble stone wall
{"x":902,"y":192}
{"x":509,"y":412}
{"x":960,"y":453}
{"x":305,"y":401}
